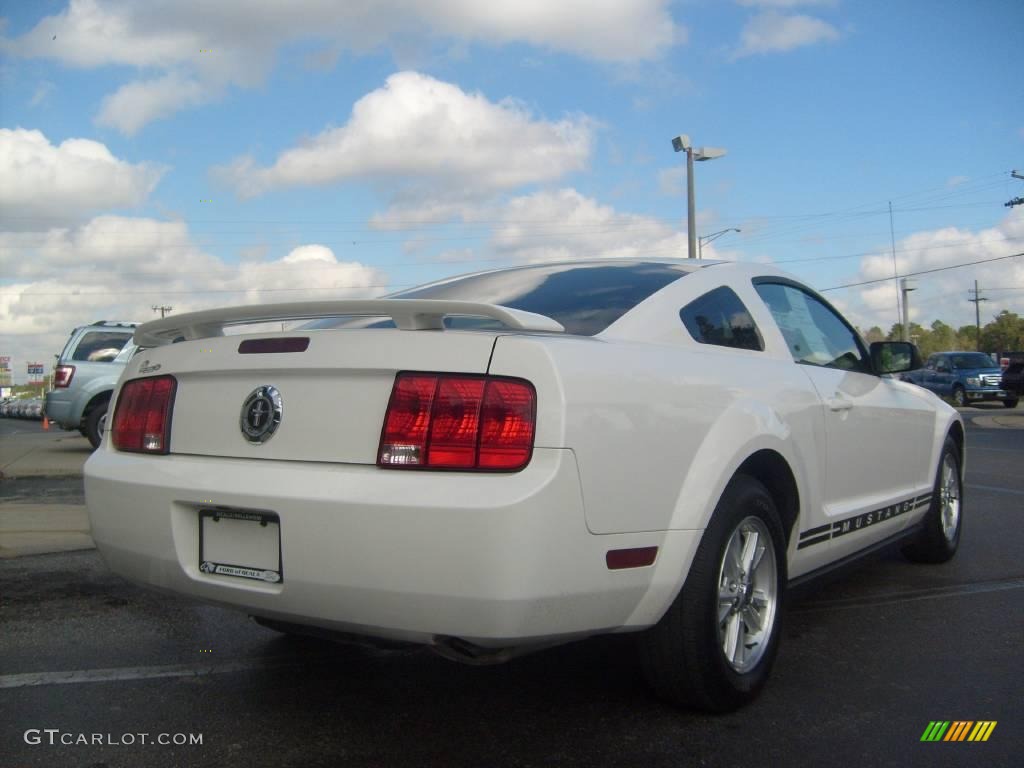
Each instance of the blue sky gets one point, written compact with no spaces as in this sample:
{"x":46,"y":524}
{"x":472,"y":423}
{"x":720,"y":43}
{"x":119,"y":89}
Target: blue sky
{"x":199,"y":154}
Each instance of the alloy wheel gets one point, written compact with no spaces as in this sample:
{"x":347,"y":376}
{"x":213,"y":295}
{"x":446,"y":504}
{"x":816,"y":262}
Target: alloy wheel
{"x":747,"y":594}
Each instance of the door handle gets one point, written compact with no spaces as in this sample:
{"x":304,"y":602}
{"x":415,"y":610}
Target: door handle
{"x":839,"y":404}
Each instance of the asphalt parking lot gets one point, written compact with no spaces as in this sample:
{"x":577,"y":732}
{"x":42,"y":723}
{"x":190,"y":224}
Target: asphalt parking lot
{"x":867,"y":662}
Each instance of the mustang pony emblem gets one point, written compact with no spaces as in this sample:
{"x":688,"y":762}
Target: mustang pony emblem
{"x":261,"y":415}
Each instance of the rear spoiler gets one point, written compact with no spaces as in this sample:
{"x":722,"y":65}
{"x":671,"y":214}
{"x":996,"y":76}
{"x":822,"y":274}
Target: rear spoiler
{"x":408,"y":314}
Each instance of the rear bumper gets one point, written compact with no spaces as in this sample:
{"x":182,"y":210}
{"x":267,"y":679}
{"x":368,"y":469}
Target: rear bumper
{"x":59,"y":407}
{"x":494,"y":559}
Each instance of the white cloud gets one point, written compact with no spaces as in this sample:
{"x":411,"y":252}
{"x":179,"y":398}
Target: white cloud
{"x":943,"y":295}
{"x":118,"y":267}
{"x":64,"y":183}
{"x":672,"y":181}
{"x":772,"y":32}
{"x":564,"y":224}
{"x":234,"y":42}
{"x":419,"y":127}
{"x":138,"y":103}
{"x":414,"y":214}
{"x":785,"y":3}
{"x":41,"y":94}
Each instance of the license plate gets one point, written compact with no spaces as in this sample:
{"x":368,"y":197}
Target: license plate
{"x":246,"y":545}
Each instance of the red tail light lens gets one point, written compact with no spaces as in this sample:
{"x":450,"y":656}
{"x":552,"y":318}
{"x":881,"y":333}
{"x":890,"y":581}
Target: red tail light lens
{"x":404,"y":441}
{"x":142,"y":419}
{"x":62,"y":376}
{"x":509,"y":417}
{"x":452,"y":421}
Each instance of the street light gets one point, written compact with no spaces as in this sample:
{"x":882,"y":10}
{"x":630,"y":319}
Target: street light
{"x":708,"y":238}
{"x":906,"y":286}
{"x":682,"y":144}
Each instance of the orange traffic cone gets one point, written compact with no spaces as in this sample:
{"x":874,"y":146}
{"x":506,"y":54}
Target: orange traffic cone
{"x":46,"y":422}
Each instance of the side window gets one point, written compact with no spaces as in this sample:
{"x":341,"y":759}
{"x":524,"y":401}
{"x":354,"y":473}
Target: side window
{"x":814,"y":333}
{"x":719,"y":317}
{"x":100,"y":346}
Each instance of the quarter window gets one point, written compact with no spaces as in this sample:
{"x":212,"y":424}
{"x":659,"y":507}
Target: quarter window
{"x":814,"y":333}
{"x":719,"y":317}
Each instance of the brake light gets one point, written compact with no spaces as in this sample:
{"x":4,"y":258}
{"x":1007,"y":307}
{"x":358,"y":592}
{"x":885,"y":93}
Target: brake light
{"x":62,"y":376}
{"x":142,"y":419}
{"x":457,"y":421}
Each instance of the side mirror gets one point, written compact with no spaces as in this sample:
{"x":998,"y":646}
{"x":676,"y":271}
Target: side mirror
{"x":895,"y":357}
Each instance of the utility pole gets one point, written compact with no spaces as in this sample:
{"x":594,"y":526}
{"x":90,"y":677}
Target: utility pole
{"x":162,"y":309}
{"x":977,"y":314}
{"x":895,"y":276}
{"x":1016,"y":200}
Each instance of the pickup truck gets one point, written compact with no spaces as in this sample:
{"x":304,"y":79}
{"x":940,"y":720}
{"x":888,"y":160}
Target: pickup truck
{"x":963,"y":377}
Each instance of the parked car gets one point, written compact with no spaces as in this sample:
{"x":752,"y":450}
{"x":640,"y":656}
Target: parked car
{"x":86,"y":372}
{"x":963,"y":377}
{"x":34,"y":409}
{"x":1012,"y":383}
{"x":503,"y":461}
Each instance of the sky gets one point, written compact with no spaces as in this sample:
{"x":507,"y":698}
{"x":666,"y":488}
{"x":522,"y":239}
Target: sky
{"x":194,"y":154}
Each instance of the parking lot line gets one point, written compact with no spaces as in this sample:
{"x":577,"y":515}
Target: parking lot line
{"x":909,"y":596}
{"x":119,"y":674}
{"x":995,"y":489}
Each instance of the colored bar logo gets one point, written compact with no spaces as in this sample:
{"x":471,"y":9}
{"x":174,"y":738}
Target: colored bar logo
{"x":958,"y":730}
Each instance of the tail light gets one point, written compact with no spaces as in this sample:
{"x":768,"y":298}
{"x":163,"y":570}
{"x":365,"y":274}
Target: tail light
{"x":457,"y":421}
{"x":62,"y":376}
{"x":142,"y":419}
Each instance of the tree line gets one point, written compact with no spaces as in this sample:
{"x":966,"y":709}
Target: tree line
{"x":1005,"y":332}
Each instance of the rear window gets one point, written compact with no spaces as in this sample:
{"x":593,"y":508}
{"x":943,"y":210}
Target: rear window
{"x":585,"y":298}
{"x":100,"y":346}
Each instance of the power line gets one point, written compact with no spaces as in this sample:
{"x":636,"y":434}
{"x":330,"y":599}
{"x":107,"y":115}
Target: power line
{"x":922,"y":272}
{"x":212,"y":290}
{"x":320,"y":266}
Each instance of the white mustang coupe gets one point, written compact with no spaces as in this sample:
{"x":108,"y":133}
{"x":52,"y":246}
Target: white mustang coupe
{"x":498,"y":462}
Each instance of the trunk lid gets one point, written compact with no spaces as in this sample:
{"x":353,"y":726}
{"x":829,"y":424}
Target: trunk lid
{"x":333,"y":394}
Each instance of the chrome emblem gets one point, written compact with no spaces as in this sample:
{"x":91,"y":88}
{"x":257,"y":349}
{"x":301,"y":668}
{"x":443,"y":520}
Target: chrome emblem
{"x":261,"y":415}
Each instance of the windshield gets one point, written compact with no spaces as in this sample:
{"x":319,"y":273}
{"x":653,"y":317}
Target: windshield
{"x":584,"y":298}
{"x":972,"y":360}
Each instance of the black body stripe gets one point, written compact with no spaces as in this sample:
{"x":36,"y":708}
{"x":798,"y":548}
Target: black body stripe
{"x":859,"y":522}
{"x":809,"y":542}
{"x":815,"y":531}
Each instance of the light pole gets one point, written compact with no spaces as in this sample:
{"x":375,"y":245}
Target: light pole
{"x":681,"y":143}
{"x":708,"y":238}
{"x":906,"y":286}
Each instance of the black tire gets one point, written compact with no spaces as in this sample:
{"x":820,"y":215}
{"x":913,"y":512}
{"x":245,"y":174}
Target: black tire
{"x":939,"y":539}
{"x":683,"y":656}
{"x":95,"y":421}
{"x":959,"y":396}
{"x":1011,"y":402}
